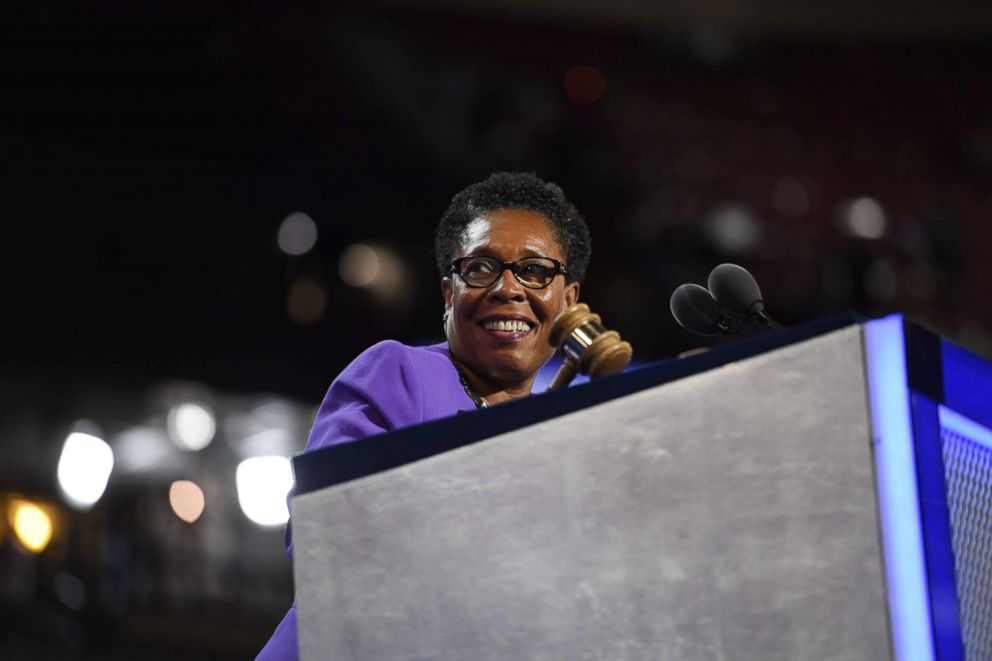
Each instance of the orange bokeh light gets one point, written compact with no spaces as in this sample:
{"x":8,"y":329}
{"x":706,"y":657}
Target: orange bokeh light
{"x":187,"y":500}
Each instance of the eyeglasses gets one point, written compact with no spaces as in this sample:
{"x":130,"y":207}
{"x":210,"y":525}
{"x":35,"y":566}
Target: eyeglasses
{"x":531,"y":272}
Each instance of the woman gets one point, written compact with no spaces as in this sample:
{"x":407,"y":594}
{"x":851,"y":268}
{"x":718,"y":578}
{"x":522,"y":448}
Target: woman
{"x":511,"y":252}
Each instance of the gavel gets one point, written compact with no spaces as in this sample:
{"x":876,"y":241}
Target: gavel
{"x":587,"y":347}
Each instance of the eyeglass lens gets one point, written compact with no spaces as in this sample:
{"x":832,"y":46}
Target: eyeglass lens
{"x":535,"y":272}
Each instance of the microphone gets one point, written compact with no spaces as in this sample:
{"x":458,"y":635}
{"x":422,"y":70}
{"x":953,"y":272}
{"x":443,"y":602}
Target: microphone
{"x":694,"y":307}
{"x":735,"y":289}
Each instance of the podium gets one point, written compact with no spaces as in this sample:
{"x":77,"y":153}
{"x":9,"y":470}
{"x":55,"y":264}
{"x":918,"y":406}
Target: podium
{"x":823,"y":492}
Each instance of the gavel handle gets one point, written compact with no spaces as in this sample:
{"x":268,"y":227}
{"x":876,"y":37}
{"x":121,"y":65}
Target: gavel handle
{"x":565,"y":374}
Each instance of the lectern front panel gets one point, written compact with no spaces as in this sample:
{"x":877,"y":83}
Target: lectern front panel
{"x":727,"y":515}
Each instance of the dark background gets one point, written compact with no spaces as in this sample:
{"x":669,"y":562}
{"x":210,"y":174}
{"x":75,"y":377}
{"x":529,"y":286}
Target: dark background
{"x":149,"y":155}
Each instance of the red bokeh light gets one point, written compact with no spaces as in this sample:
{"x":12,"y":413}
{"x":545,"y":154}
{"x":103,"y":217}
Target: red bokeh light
{"x":584,"y":84}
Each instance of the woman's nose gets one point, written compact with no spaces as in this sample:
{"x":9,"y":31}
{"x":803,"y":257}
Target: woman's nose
{"x":507,"y":288}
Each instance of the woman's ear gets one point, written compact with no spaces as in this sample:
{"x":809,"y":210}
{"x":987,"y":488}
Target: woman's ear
{"x":446,"y":292}
{"x":571,"y":294}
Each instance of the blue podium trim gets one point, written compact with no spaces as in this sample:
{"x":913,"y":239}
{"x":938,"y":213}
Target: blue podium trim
{"x":935,"y":515}
{"x":898,"y":497}
{"x":920,"y":384}
{"x":968,"y":383}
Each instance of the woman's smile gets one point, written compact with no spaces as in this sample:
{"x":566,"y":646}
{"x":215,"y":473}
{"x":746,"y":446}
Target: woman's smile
{"x":507,"y":328}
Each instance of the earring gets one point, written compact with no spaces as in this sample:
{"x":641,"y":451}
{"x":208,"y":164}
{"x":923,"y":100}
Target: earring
{"x":444,"y":323}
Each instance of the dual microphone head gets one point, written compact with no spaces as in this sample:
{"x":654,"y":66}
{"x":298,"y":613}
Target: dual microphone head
{"x":730,"y":302}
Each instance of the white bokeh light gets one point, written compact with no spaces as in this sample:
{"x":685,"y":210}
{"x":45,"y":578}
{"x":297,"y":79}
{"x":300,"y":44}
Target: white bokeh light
{"x":84,"y":468}
{"x":191,"y":426}
{"x":142,"y":448}
{"x":864,"y":218}
{"x":733,"y":228}
{"x":263,"y":483}
{"x":297,"y":234}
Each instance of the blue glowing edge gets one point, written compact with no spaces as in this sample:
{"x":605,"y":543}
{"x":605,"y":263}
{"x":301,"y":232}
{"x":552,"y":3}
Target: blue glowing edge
{"x":963,"y":426}
{"x":898,"y":495}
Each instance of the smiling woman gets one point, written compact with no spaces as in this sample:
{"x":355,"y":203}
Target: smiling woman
{"x":511,"y":252}
{"x":500,"y":299}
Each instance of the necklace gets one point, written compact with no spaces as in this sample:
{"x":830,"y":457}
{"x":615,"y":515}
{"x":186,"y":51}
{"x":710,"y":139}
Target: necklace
{"x":477,"y":399}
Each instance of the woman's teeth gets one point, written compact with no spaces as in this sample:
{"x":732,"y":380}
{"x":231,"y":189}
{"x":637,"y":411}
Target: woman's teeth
{"x":515,"y":326}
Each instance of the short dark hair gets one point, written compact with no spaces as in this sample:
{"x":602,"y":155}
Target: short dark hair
{"x":515,"y":190}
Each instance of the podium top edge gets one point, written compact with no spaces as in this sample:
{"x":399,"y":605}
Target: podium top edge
{"x":348,"y":461}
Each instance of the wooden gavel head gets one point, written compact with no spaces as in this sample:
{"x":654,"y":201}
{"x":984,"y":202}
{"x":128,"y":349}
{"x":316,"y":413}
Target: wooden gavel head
{"x":588,"y":348}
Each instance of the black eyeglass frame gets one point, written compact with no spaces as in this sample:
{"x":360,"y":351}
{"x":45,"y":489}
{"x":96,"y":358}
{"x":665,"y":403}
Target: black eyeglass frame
{"x":455,"y":268}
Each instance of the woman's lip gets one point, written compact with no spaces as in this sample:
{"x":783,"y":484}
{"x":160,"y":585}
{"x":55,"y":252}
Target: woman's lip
{"x":506,"y":336}
{"x":507,"y":317}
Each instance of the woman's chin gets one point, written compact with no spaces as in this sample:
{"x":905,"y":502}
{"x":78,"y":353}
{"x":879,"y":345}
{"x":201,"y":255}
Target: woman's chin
{"x":512,"y":369}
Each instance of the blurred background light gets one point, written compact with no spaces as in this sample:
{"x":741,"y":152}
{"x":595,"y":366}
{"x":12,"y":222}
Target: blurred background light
{"x":267,"y":442}
{"x":84,"y":468}
{"x":187,"y":500}
{"x":263,"y":484}
{"x":378,"y":269}
{"x":359,"y":265}
{"x":70,"y":590}
{"x":584,"y":84}
{"x":142,"y":448}
{"x":864,"y":218}
{"x":191,"y":425}
{"x":271,"y":413}
{"x":297,"y":234}
{"x":306,"y":302}
{"x":711,"y":45}
{"x":880,"y":280}
{"x":31,"y":523}
{"x":733,"y":229}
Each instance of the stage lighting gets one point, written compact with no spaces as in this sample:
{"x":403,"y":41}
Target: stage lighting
{"x":191,"y":426}
{"x":584,"y":84}
{"x":306,"y":302}
{"x":297,"y":234}
{"x":733,"y":229}
{"x":187,"y":500}
{"x":142,"y":448}
{"x":379,"y":270}
{"x":84,"y":468}
{"x":359,"y":265}
{"x":263,"y":483}
{"x":31,"y":523}
{"x":864,"y":218}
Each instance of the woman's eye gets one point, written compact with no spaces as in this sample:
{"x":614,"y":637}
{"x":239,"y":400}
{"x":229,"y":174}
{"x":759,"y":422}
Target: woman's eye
{"x":480,"y":266}
{"x":534,"y":270}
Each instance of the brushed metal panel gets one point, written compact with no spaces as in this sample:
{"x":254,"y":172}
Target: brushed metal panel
{"x":729,"y":515}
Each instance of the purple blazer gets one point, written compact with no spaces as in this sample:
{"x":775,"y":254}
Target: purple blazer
{"x":389,"y":386}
